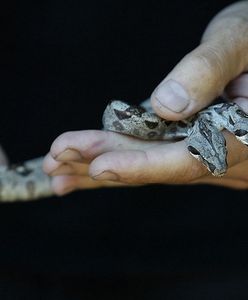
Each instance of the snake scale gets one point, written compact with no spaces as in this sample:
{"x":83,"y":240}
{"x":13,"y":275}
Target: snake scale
{"x":202,"y":134}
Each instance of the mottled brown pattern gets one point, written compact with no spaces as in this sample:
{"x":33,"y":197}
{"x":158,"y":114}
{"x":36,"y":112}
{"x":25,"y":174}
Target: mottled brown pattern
{"x":151,"y":125}
{"x":202,"y":131}
{"x":117,"y":125}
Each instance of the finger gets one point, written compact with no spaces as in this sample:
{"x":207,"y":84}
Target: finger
{"x":66,"y":184}
{"x":161,"y":164}
{"x":55,"y":168}
{"x":83,"y":146}
{"x":50,"y":164}
{"x":71,"y":168}
{"x":62,"y":185}
{"x":239,"y":172}
{"x":170,"y":163}
{"x":224,"y":182}
{"x":202,"y":75}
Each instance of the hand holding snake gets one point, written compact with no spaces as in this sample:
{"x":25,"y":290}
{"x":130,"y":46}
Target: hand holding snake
{"x":217,"y":66}
{"x":91,"y":159}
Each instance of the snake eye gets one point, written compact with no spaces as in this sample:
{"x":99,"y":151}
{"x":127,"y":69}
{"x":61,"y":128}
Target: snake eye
{"x":193,"y":150}
{"x":240,"y":132}
{"x":211,"y":167}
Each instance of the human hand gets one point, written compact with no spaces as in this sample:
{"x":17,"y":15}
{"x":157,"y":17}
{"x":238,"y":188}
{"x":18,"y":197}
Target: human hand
{"x":91,"y":159}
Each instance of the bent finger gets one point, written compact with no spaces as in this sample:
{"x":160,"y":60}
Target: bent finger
{"x":83,"y":146}
{"x":62,"y":185}
{"x":170,"y":163}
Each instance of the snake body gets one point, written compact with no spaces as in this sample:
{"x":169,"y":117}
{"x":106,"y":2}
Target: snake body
{"x":25,"y":181}
{"x":202,"y":133}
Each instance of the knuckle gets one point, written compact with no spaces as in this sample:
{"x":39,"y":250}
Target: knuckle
{"x":60,"y":141}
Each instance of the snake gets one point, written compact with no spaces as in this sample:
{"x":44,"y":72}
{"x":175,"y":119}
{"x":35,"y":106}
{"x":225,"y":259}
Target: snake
{"x":202,"y":133}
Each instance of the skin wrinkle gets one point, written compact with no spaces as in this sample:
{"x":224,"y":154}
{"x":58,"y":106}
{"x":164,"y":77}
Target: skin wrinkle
{"x":234,"y":172}
{"x":215,"y":59}
{"x":187,"y":171}
{"x":138,"y":158}
{"x":236,"y":23}
{"x":215,"y":66}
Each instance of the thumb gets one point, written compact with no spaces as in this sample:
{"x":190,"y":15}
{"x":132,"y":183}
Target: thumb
{"x":202,"y":75}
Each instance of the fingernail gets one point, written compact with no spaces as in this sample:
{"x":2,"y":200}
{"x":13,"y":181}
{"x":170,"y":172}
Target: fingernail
{"x":172,"y":95}
{"x":69,"y":154}
{"x":106,"y":175}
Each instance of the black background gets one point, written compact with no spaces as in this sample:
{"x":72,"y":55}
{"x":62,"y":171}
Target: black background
{"x":61,"y":62}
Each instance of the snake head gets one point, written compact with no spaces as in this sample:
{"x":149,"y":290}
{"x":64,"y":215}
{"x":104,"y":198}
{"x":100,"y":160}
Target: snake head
{"x":242,"y":135}
{"x":207,"y":144}
{"x":241,"y":127}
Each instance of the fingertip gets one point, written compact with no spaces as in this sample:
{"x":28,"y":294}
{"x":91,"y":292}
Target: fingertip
{"x":87,"y":144}
{"x":64,"y":184}
{"x":60,"y":144}
{"x":49,"y":164}
{"x":170,"y":106}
